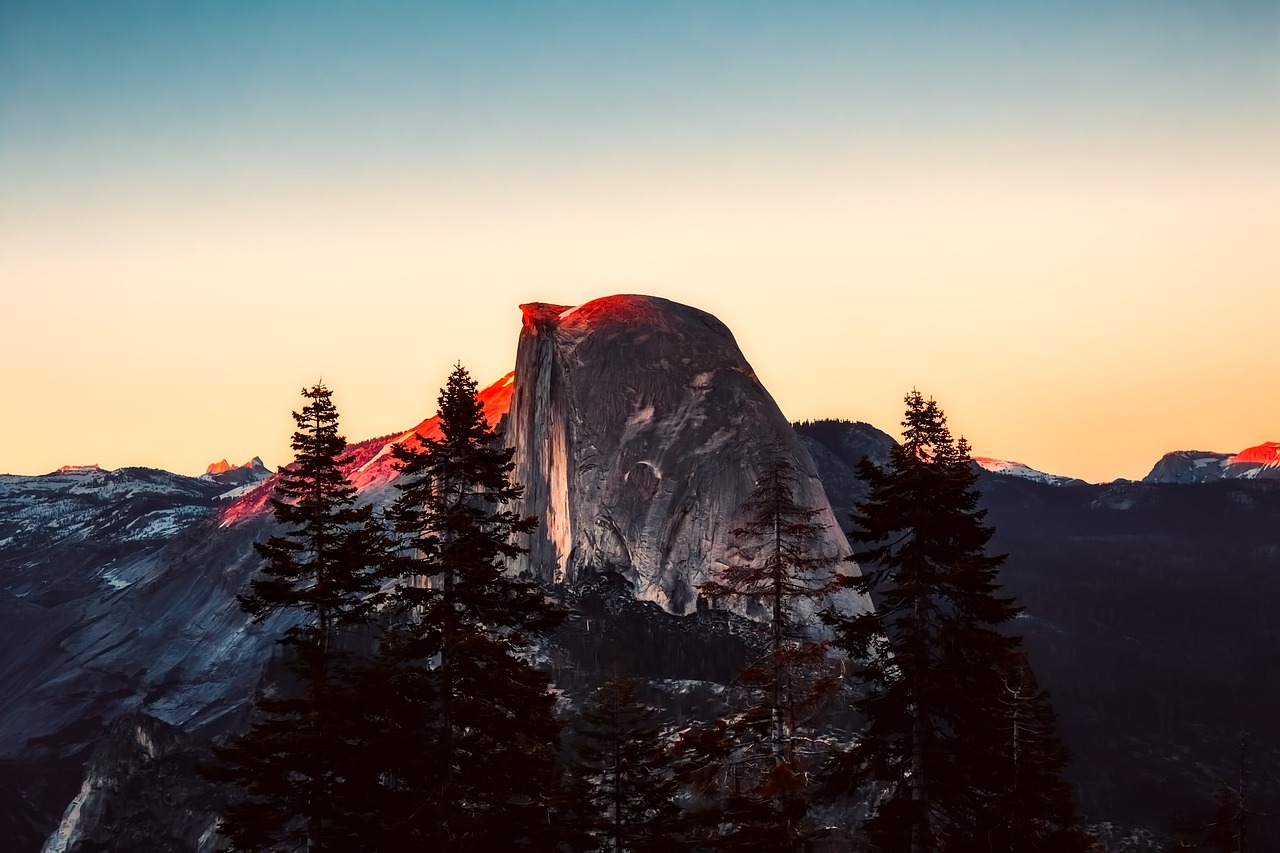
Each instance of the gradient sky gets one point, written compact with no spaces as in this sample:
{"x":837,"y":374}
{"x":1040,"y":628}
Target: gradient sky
{"x":1062,"y":220}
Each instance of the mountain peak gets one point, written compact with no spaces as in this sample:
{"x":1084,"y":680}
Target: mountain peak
{"x":1267,"y":453}
{"x":221,"y":467}
{"x":72,"y":469}
{"x":639,"y":430}
{"x":627,"y":309}
{"x":542,"y":312}
{"x":1262,"y":461}
{"x":1025,"y":472}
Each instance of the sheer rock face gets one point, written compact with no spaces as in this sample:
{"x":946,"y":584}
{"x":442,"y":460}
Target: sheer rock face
{"x":141,"y":791}
{"x":639,"y":430}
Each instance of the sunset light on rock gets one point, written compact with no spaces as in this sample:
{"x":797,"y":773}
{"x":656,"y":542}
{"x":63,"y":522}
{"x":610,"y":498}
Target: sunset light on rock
{"x":370,"y":465}
{"x":1267,"y":454}
{"x":622,"y":310}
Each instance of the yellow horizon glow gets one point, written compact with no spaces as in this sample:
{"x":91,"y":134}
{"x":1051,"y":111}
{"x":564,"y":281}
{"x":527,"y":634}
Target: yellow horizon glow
{"x":1081,"y":317}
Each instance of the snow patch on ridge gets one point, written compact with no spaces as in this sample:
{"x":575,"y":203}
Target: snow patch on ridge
{"x":1261,"y":461}
{"x":1024,"y":472}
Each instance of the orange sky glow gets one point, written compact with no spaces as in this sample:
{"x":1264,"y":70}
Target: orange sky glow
{"x":1078,"y":261}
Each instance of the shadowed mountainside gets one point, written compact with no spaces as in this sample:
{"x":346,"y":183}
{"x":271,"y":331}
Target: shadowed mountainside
{"x":1149,"y":618}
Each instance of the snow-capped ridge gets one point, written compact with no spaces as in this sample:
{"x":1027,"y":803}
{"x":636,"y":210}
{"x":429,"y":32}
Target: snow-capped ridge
{"x":1025,"y":472}
{"x":1265,"y":455}
{"x":1262,"y":461}
{"x":236,"y":479}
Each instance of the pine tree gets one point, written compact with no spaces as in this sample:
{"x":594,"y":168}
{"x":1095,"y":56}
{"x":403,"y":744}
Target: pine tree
{"x":787,"y":571}
{"x":482,"y":774}
{"x":626,"y":766}
{"x":934,"y":664}
{"x":290,"y":767}
{"x":1030,"y":806}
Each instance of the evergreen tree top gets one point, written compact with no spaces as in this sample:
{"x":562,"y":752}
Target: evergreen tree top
{"x":787,"y":537}
{"x":462,"y":417}
{"x":957,"y":730}
{"x":925,"y":435}
{"x":467,"y":451}
{"x":315,"y":564}
{"x":315,"y":476}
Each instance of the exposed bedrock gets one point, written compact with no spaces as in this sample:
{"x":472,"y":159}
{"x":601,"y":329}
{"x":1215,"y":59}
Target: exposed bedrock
{"x":639,"y":429}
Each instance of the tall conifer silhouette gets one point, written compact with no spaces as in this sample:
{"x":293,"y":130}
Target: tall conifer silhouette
{"x":787,"y":571}
{"x":938,"y":671}
{"x":290,"y":771}
{"x":626,"y":770}
{"x":484,"y":775}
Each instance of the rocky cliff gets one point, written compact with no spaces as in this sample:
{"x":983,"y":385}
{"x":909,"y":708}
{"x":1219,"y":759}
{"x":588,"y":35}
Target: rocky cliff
{"x":639,"y":429}
{"x":141,"y":791}
{"x":1261,"y":462}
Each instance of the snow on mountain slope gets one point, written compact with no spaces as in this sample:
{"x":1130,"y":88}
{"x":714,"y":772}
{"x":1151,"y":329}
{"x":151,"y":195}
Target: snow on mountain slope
{"x":1201,"y":466}
{"x":87,"y":504}
{"x":1017,"y":469}
{"x":1261,"y":461}
{"x":1188,"y":466}
{"x":117,"y":595}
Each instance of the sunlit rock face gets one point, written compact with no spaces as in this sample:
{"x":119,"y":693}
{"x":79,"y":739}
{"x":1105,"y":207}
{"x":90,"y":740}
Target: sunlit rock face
{"x":1259,"y":462}
{"x":370,"y":465}
{"x":639,"y":430}
{"x":223,"y":472}
{"x":1198,"y":466}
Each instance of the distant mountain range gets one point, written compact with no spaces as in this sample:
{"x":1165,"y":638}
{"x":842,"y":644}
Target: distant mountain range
{"x":1017,"y":469}
{"x":1180,"y":466}
{"x":1149,"y":618}
{"x":638,"y":427}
